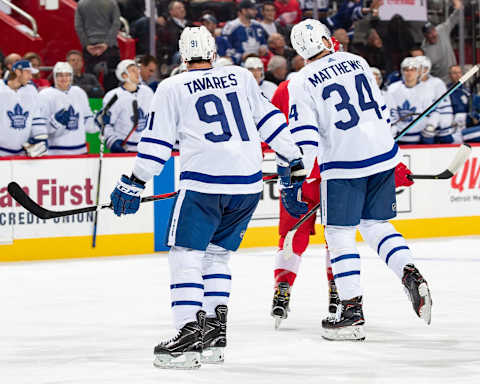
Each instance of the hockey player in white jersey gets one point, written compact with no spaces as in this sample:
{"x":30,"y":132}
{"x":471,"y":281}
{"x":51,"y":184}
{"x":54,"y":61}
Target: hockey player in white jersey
{"x":122,"y":118}
{"x":406,"y":100}
{"x":255,"y":65}
{"x":67,"y":113}
{"x":440,"y":123}
{"x":23,"y":129}
{"x":220,"y":116}
{"x":342,"y":116}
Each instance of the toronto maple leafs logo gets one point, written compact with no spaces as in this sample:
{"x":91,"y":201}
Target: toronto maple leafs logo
{"x":309,"y":26}
{"x":142,"y":120}
{"x":18,"y":118}
{"x":73,"y":120}
{"x":406,"y":112}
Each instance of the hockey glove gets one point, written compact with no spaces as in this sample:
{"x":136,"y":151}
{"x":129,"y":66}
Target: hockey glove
{"x":428,"y":135}
{"x":102,"y":120}
{"x":60,"y":119}
{"x":126,"y":196}
{"x":291,"y":179}
{"x":401,"y":176}
{"x":117,"y":147}
{"x":36,"y":146}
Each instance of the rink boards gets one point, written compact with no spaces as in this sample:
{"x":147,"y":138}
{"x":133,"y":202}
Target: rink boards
{"x":427,"y":209}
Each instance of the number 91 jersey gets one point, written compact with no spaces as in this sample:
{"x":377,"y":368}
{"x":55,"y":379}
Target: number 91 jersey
{"x":220,"y":117}
{"x":337,"y":113}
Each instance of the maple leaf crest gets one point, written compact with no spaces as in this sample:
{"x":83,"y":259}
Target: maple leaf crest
{"x":18,"y":119}
{"x":73,"y":120}
{"x":406,"y":112}
{"x":142,"y":120}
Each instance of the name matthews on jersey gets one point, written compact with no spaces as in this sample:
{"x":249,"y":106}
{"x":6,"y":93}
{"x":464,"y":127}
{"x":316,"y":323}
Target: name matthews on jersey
{"x":211,"y":82}
{"x":336,"y":69}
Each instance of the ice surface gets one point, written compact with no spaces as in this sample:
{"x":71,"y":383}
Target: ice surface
{"x":97,"y":321}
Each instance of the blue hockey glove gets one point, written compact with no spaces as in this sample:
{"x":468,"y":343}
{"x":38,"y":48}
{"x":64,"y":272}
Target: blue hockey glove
{"x":291,"y":180}
{"x":100,"y":120}
{"x":117,"y":147}
{"x":126,"y":196}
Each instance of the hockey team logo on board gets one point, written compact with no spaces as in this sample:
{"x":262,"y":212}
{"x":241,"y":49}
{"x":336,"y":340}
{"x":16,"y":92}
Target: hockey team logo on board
{"x":142,"y":120}
{"x":18,"y":118}
{"x":73,"y":120}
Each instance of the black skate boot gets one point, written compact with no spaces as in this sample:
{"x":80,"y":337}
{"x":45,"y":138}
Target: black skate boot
{"x":417,"y":290}
{"x":348,"y":322}
{"x":333,"y":299}
{"x":281,"y":301}
{"x":215,"y":336}
{"x":184,"y":350}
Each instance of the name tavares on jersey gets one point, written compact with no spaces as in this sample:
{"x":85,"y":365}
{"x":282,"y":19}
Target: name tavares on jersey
{"x":336,"y":69}
{"x":211,"y":82}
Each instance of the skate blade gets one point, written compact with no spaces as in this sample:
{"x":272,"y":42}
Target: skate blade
{"x":426,"y":310}
{"x":214,"y":355}
{"x":278,"y":321}
{"x":187,"y":360}
{"x":352,"y":333}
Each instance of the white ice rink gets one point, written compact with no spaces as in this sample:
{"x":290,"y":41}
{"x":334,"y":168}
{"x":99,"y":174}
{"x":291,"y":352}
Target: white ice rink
{"x":97,"y":321}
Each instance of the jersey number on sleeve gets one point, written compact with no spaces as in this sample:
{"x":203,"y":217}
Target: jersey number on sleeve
{"x":221,"y":117}
{"x":361,"y":82}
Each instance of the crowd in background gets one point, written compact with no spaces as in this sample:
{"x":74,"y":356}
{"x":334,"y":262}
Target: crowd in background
{"x":255,"y":35}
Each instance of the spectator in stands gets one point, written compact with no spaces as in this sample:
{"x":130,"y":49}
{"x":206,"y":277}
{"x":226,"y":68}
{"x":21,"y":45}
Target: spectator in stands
{"x":307,"y":8}
{"x":277,"y":46}
{"x":132,"y":10}
{"x":36,"y":62}
{"x":169,"y":34}
{"x":437,"y":44}
{"x":148,"y":66}
{"x":342,"y":37}
{"x":269,"y":24}
{"x":9,"y":61}
{"x":416,"y":51}
{"x":276,"y":70}
{"x":288,"y":12}
{"x":349,"y":12}
{"x":375,"y":52}
{"x":296,"y":64}
{"x":255,"y":65}
{"x":465,"y":120}
{"x":67,"y":114}
{"x":223,"y":45}
{"x":245,"y":34}
{"x":88,"y":82}
{"x":97,"y":23}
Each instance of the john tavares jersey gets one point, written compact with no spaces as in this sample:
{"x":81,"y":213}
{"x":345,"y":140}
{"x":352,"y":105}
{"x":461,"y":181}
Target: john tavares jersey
{"x":69,"y":139}
{"x":121,"y":116}
{"x":337,"y":111}
{"x":19,"y":121}
{"x":220,"y":118}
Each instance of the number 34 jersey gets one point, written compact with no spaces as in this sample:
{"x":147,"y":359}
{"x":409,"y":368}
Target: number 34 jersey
{"x":337,"y":112}
{"x":220,"y":117}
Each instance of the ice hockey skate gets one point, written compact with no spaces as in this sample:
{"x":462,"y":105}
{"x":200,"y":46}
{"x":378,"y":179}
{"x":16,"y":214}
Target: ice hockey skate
{"x":281,"y":303}
{"x":333,"y":299}
{"x":215,"y":337}
{"x":184,"y":350}
{"x":347,"y":324}
{"x":417,"y":290}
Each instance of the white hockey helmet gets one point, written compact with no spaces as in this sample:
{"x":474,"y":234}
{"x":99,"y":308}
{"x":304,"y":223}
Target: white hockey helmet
{"x":307,"y":38}
{"x":122,"y":68}
{"x":410,"y":62}
{"x":222,"y":62}
{"x":425,"y":64}
{"x":377,"y":72}
{"x":255,"y":63}
{"x":197,"y":43}
{"x":62,"y":67}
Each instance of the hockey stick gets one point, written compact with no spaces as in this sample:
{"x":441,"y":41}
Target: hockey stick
{"x":135,"y":121}
{"x":452,"y":89}
{"x":26,"y":202}
{"x":460,"y":157}
{"x":100,"y":121}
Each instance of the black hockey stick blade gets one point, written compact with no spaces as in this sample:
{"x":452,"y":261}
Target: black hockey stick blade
{"x":461,"y":156}
{"x":26,"y":202}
